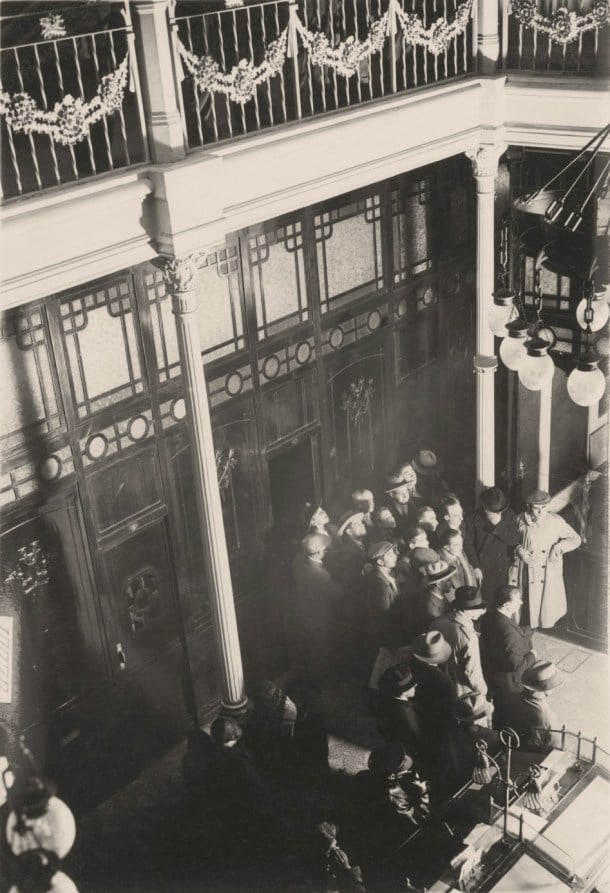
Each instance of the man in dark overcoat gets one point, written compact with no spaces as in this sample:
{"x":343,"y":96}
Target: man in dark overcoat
{"x":492,"y":531}
{"x":506,"y":649}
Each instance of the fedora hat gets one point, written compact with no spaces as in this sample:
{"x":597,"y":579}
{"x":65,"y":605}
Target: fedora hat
{"x":542,"y":676}
{"x":494,"y":500}
{"x":471,"y":706}
{"x":436,"y":572}
{"x":432,"y":648}
{"x":395,"y":481}
{"x":396,"y":679}
{"x":421,"y":556}
{"x":315,"y":542}
{"x":426,"y":462}
{"x":538,"y":497}
{"x":347,"y":519}
{"x":468,"y":598}
{"x":378,"y":550}
{"x":390,"y":758}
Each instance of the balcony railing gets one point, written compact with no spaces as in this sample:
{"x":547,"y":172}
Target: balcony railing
{"x":302,"y":87}
{"x":541,"y":46}
{"x":53,"y":90}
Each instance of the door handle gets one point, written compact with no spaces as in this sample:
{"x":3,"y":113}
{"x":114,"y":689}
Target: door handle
{"x":121,"y":656}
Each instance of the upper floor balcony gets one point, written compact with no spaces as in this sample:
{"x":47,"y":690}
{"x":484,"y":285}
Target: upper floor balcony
{"x":85,"y":85}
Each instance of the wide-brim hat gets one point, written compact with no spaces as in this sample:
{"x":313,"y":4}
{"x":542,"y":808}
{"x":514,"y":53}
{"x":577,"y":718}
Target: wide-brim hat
{"x":468,"y":598}
{"x":542,"y":676}
{"x":493,"y":499}
{"x":431,"y":648}
{"x":390,"y":758}
{"x":395,"y":680}
{"x":426,"y":462}
{"x":420,"y":556}
{"x":314,"y":542}
{"x":538,"y":497}
{"x":378,"y":550}
{"x":347,"y":519}
{"x":436,"y":572}
{"x":472,"y":706}
{"x":395,"y":481}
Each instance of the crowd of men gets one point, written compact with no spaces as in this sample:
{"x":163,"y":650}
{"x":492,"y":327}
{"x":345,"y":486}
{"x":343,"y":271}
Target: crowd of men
{"x":433,"y":612}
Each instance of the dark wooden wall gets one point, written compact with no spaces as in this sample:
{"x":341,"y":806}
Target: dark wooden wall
{"x":336,"y":341}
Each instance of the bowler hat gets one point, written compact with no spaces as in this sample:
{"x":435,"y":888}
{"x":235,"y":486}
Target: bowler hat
{"x":378,"y":550}
{"x":421,"y":556}
{"x":493,"y":499}
{"x":315,"y":542}
{"x":390,"y":758}
{"x":470,"y":706}
{"x":426,"y":462}
{"x":468,"y":598}
{"x":431,"y":648}
{"x":347,"y":519}
{"x":538,"y":497}
{"x":436,"y":572}
{"x":396,"y":679}
{"x":542,"y":676}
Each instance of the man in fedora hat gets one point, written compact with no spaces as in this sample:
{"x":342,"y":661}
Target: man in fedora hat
{"x":347,"y":569}
{"x":543,"y":540}
{"x":430,"y":601}
{"x":404,"y":510}
{"x":471,"y":717}
{"x":430,"y":485}
{"x":529,"y":712}
{"x":458,"y":628}
{"x":434,"y":695}
{"x":506,"y":648}
{"x":383,"y":607}
{"x":317,"y":597}
{"x":492,"y":531}
{"x":364,"y":501}
{"x":397,"y":717}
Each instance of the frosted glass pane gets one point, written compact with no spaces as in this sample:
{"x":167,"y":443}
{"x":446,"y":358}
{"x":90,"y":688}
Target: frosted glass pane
{"x":216,"y":310}
{"x":103,"y":353}
{"x":350,"y":258}
{"x":280,"y":277}
{"x":22,"y":402}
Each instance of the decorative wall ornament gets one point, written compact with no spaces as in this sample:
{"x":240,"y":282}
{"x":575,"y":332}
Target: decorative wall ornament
{"x":52,"y":26}
{"x":70,"y":120}
{"x":225,"y":463}
{"x":439,"y":35}
{"x":143,"y":600}
{"x":179,"y":273}
{"x":241,"y":82}
{"x":356,"y":401}
{"x":562,"y":26}
{"x":484,"y":159}
{"x":32,"y":570}
{"x":347,"y":55}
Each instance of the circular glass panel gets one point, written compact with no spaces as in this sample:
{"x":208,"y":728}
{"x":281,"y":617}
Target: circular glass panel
{"x":50,"y":468}
{"x":271,"y":366}
{"x":336,"y":337}
{"x":234,"y":383}
{"x":374,"y":320}
{"x":428,"y":296}
{"x":452,"y":283}
{"x":402,"y":307}
{"x":138,"y":428}
{"x":178,"y":409}
{"x":96,"y":446}
{"x":303,"y":352}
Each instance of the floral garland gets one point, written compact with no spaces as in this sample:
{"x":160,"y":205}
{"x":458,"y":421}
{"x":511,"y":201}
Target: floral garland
{"x":439,"y":35}
{"x":562,"y":26}
{"x":70,"y":120}
{"x":345,"y":57}
{"x":241,"y":82}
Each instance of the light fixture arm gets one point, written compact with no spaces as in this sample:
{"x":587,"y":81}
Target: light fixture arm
{"x":598,"y":139}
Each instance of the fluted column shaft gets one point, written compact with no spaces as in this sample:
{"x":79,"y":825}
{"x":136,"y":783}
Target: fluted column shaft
{"x":182,"y":283}
{"x":484,"y":161}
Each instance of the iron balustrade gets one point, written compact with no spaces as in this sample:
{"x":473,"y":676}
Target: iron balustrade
{"x":302,"y":89}
{"x":47,"y":71}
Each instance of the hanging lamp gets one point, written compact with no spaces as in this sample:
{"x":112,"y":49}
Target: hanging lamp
{"x":512,"y":347}
{"x":586,"y":382}
{"x":536,"y":370}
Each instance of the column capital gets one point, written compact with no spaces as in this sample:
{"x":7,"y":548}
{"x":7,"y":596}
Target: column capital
{"x":484,"y":159}
{"x":180,"y":277}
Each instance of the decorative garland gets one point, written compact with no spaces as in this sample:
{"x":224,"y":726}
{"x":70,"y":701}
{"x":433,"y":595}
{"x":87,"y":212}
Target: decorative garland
{"x":562,"y":26}
{"x":345,"y":57}
{"x":241,"y":82}
{"x":439,"y":35}
{"x":70,"y":120}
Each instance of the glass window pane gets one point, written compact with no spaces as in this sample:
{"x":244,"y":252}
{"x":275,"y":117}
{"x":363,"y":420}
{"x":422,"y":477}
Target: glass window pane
{"x":278,"y":279}
{"x":411,"y":230}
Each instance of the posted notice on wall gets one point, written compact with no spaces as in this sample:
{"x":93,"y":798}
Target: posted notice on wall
{"x":6,"y":660}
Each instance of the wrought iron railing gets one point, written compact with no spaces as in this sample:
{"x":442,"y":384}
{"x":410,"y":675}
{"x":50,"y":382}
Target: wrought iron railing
{"x":47,"y":89}
{"x":302,"y":87}
{"x":561,"y":39}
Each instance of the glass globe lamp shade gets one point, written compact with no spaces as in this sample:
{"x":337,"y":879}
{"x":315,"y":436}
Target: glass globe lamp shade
{"x":586,"y":382}
{"x":512,"y":348}
{"x":501,"y":311}
{"x":601,"y":312}
{"x":54,"y":830}
{"x":537,"y":369}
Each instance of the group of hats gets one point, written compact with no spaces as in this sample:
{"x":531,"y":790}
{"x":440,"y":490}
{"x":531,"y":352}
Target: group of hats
{"x":424,"y":462}
{"x":347,"y":519}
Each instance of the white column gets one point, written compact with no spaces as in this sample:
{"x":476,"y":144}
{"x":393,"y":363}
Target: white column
{"x":488,"y":36}
{"x":544,"y":437}
{"x":181,"y":281}
{"x":156,"y":66}
{"x":485,"y":162}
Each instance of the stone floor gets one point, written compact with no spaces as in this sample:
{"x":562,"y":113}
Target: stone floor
{"x":144,"y":840}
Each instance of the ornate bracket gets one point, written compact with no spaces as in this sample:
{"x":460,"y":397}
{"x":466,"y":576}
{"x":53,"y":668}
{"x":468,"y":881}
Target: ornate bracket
{"x":483,"y":365}
{"x":225,"y":463}
{"x":32,"y":570}
{"x":356,"y":401}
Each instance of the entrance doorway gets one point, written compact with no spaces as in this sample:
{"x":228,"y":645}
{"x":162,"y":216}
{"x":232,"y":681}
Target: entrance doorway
{"x":293,"y":481}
